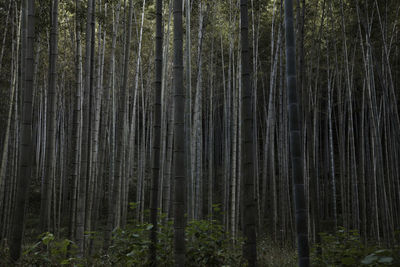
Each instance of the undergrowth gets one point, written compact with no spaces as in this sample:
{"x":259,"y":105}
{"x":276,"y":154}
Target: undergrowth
{"x":345,"y":248}
{"x":207,"y":244}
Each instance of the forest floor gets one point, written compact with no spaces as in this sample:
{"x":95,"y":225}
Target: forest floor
{"x":207,"y":244}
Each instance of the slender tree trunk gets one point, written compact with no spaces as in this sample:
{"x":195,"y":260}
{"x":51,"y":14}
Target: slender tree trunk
{"x":239,"y":165}
{"x":10,"y":189}
{"x":249,"y":211}
{"x":111,"y":89}
{"x":197,"y":137}
{"x":179,"y":140}
{"x":188,"y":114}
{"x":96,"y":170}
{"x":85,"y":155}
{"x":25,"y":160}
{"x":227,"y":124}
{"x":157,"y":131}
{"x":255,"y":29}
{"x":6,"y":142}
{"x":211,"y":137}
{"x":331,"y":151}
{"x":121,"y":126}
{"x":91,"y":132}
{"x":234,"y":161}
{"x":133,"y":119}
{"x":168,"y":122}
{"x":51,"y":128}
{"x":77,"y":124}
{"x":169,"y":182}
{"x":295,"y":140}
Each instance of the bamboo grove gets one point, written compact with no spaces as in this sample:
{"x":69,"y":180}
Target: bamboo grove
{"x":283,"y":115}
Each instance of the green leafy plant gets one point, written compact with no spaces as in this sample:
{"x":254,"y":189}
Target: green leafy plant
{"x":130,"y":246}
{"x":379,"y":257}
{"x":49,"y":251}
{"x":345,"y":248}
{"x":209,"y":245}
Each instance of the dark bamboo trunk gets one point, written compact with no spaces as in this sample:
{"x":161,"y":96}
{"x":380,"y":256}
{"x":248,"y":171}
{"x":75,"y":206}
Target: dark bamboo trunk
{"x":295,"y":140}
{"x":179,"y":140}
{"x":51,"y":128}
{"x":249,"y":210}
{"x":25,"y":148}
{"x":156,"y":132}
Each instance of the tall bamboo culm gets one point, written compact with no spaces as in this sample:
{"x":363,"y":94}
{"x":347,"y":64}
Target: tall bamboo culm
{"x":25,"y":159}
{"x":295,"y":140}
{"x":179,"y":140}
{"x":157,"y":131}
{"x":249,"y":210}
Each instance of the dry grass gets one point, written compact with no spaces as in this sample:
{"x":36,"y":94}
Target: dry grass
{"x":272,"y":254}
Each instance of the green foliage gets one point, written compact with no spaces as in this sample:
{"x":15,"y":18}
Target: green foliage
{"x":207,"y":245}
{"x":342,"y":248}
{"x":130,"y":245}
{"x":379,"y":257}
{"x":345,"y":248}
{"x":49,"y":251}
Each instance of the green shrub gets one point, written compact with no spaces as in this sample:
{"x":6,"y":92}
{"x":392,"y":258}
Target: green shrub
{"x":130,"y":246}
{"x":207,"y":244}
{"x":50,"y":252}
{"x":345,"y":248}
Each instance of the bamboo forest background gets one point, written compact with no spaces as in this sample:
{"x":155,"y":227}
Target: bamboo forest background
{"x":93,"y":127}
